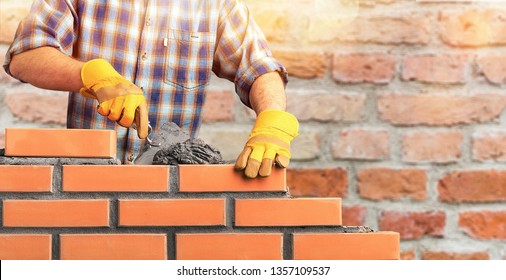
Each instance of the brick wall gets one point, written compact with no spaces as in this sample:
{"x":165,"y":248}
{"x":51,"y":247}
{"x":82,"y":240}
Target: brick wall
{"x":75,"y":201}
{"x":402,"y":110}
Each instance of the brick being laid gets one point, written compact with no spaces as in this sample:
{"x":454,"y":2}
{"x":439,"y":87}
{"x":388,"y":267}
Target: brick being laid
{"x":50,"y":142}
{"x":223,"y":178}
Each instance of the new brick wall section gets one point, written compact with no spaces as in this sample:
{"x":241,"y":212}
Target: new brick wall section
{"x":108,"y":211}
{"x":446,"y":117}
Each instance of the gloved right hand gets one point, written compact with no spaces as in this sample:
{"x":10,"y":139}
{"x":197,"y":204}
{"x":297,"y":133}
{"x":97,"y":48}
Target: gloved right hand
{"x":119,"y":99}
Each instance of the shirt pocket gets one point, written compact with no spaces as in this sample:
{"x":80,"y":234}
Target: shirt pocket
{"x":188,"y":58}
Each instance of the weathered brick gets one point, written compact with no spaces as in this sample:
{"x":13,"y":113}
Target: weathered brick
{"x":440,"y":109}
{"x":219,"y":106}
{"x":374,"y":68}
{"x":39,"y":106}
{"x":347,"y":107}
{"x":407,"y":255}
{"x":413,"y":225}
{"x":386,"y":183}
{"x":493,"y":67}
{"x":473,"y":27}
{"x":354,"y":215}
{"x":274,"y":23}
{"x":489,"y":145}
{"x":302,"y":64}
{"x":484,"y":224}
{"x":442,"y":255}
{"x":473,"y":186}
{"x":10,"y":16}
{"x":446,"y":69}
{"x":230,"y":142}
{"x":432,"y":146}
{"x":361,"y":144}
{"x":317,"y":182}
{"x":404,"y":28}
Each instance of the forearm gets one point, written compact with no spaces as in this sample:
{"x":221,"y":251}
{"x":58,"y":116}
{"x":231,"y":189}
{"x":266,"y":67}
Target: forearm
{"x":47,"y":68}
{"x":268,"y":93}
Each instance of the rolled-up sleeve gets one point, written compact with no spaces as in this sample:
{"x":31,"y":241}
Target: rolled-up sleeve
{"x":50,"y":23}
{"x":242,"y":53}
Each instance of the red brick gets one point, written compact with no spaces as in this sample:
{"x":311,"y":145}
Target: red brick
{"x":219,"y":106}
{"x":484,"y":224}
{"x":440,"y":109}
{"x":10,"y":16}
{"x":26,"y":178}
{"x":223,"y":178}
{"x":56,"y":213}
{"x":374,"y":68}
{"x":432,"y":146}
{"x":386,"y":183}
{"x":407,"y":255}
{"x":346,"y":107}
{"x":489,"y":145}
{"x":493,"y":67}
{"x":60,"y":142}
{"x":302,"y":64}
{"x":413,"y":225}
{"x":113,"y":246}
{"x":346,"y":246}
{"x":446,"y":69}
{"x":354,"y":215}
{"x":288,"y":212}
{"x":473,"y":186}
{"x":403,"y":28}
{"x":361,"y":144}
{"x":473,"y":27}
{"x":172,"y":212}
{"x":229,"y":246}
{"x":38,"y":106}
{"x":442,"y":255}
{"x":274,"y":23}
{"x":115,"y":178}
{"x":317,"y":182}
{"x":25,"y":246}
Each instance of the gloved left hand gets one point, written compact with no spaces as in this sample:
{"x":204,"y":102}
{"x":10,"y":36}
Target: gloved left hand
{"x":268,"y":143}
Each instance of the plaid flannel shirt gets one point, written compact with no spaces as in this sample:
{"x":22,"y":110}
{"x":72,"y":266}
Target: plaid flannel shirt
{"x":168,"y":48}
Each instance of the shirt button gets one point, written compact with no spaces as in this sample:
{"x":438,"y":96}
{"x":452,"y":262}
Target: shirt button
{"x":148,"y":22}
{"x":144,"y":56}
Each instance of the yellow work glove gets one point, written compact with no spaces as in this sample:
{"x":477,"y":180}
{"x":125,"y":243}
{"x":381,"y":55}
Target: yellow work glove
{"x":119,"y":99}
{"x":268,"y":143}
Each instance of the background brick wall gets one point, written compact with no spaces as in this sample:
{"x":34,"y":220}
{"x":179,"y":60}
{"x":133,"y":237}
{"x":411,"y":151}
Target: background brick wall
{"x":402,"y":112}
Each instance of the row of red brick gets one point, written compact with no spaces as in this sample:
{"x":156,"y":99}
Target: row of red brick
{"x":173,"y":212}
{"x":206,"y":246}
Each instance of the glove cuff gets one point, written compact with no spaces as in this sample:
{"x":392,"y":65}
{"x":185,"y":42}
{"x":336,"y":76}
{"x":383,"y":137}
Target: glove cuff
{"x":277,"y":120}
{"x":98,"y":73}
